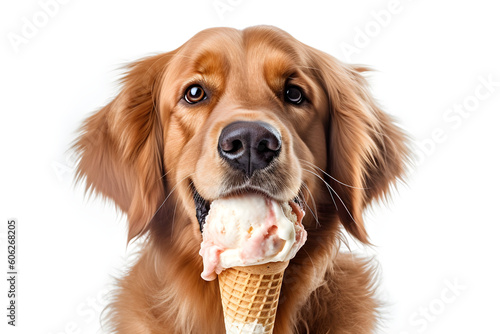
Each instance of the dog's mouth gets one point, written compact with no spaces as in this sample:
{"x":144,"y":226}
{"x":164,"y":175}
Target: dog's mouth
{"x":203,"y":206}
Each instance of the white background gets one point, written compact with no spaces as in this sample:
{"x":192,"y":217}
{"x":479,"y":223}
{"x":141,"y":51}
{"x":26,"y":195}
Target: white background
{"x":440,"y":229}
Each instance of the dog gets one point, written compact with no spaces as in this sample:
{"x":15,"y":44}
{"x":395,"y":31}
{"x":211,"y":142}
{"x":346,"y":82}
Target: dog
{"x":240,"y":111}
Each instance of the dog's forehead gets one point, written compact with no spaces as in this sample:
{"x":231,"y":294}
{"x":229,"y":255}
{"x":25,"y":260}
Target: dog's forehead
{"x":257,"y":52}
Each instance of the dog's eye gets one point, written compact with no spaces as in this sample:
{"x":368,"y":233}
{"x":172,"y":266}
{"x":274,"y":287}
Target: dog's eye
{"x":293,"y":94}
{"x":194,"y":94}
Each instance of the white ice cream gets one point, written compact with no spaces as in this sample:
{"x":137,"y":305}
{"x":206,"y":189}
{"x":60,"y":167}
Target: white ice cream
{"x":238,"y":328}
{"x":249,"y":230}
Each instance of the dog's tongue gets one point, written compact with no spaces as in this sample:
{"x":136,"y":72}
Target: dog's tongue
{"x":248,"y":230}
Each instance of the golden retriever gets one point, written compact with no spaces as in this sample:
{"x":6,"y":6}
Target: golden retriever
{"x":234,"y":111}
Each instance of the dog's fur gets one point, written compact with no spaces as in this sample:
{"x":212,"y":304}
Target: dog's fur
{"x":148,"y":150}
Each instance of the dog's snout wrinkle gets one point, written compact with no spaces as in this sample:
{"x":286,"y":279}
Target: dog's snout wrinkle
{"x":249,"y":146}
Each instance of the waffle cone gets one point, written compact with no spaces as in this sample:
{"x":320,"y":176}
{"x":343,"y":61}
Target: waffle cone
{"x":250,"y":297}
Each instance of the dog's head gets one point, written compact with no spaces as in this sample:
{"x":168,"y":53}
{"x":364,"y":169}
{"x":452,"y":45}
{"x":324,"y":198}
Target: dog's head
{"x":241,"y":111}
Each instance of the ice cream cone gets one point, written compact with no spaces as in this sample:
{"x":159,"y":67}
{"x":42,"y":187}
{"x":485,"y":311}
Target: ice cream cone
{"x":250,"y":297}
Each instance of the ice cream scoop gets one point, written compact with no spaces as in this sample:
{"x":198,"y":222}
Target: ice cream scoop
{"x":249,"y":230}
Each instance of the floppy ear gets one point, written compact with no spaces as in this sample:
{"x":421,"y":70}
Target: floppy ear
{"x":120,"y":146}
{"x":367,"y":151}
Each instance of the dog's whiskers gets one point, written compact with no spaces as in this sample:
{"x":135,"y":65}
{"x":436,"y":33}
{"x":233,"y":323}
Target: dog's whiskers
{"x":175,"y":211}
{"x":315,"y":213}
{"x":342,"y":183}
{"x":166,"y":198}
{"x":327,"y":186}
{"x":330,"y":188}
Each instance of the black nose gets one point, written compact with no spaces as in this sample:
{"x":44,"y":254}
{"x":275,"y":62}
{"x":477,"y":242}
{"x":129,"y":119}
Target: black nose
{"x":249,"y":146}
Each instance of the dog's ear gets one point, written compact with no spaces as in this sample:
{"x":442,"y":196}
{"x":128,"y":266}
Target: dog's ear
{"x":120,"y":148}
{"x":367,"y":151}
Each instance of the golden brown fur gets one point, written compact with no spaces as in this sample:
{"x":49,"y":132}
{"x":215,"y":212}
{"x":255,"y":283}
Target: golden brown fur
{"x":147,"y":149}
